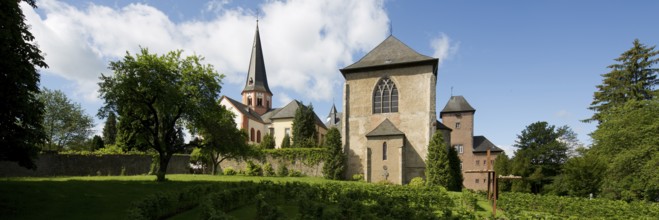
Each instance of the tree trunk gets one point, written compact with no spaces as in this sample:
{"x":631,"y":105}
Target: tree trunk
{"x":162,"y":169}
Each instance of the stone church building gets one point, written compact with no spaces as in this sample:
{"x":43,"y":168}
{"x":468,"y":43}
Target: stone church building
{"x":389,"y":116}
{"x":254,"y":112}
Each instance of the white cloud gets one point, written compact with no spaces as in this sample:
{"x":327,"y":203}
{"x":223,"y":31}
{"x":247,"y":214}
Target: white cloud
{"x":443,"y":47}
{"x":563,"y":114}
{"x":304,"y":41}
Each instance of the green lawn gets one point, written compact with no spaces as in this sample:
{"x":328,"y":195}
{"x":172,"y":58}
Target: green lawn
{"x":105,"y":197}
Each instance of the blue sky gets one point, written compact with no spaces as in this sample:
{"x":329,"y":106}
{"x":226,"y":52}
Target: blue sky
{"x":516,"y":62}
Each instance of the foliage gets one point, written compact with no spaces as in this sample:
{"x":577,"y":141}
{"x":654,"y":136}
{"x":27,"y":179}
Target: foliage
{"x":308,"y":156}
{"x":253,"y":169}
{"x":502,"y":166}
{"x":555,"y":207}
{"x":268,"y":170}
{"x":286,"y":142}
{"x":304,"y":127}
{"x":417,"y":182}
{"x":64,"y":122}
{"x":282,"y":170}
{"x":334,"y":165}
{"x":295,"y":173}
{"x":539,"y":157}
{"x":229,"y":171}
{"x":358,"y":177}
{"x":268,"y":142}
{"x":628,"y":139}
{"x":21,"y":131}
{"x":97,"y":143}
{"x":110,"y":129}
{"x":455,"y":183}
{"x":155,"y":96}
{"x":438,"y":170}
{"x":221,"y":139}
{"x":581,"y":177}
{"x":632,"y":79}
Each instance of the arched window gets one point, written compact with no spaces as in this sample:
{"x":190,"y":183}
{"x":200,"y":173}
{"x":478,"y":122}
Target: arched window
{"x":258,"y":136}
{"x":251,"y":135}
{"x":384,"y":151}
{"x":249,"y":100}
{"x":385,"y":97}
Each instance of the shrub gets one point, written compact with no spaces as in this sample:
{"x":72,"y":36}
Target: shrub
{"x":295,"y":173}
{"x":417,"y":182}
{"x":267,"y":169}
{"x":282,"y":170}
{"x":385,"y":182}
{"x":358,"y":177}
{"x":229,"y":171}
{"x":253,"y":169}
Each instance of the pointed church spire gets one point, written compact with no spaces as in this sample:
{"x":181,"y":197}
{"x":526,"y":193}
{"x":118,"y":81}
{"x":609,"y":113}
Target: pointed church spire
{"x":257,"y":79}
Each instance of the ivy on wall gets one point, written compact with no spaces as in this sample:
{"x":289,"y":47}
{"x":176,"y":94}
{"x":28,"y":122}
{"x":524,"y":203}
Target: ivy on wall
{"x":308,"y":156}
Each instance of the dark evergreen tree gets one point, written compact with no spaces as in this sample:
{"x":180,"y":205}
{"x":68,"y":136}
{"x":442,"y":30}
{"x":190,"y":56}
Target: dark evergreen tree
{"x":335,"y":165}
{"x":633,"y":78}
{"x":21,"y":131}
{"x":456,"y":171}
{"x":97,"y":143}
{"x":110,"y":129}
{"x":286,"y":142}
{"x":304,"y":127}
{"x":268,"y":142}
{"x":438,"y":169}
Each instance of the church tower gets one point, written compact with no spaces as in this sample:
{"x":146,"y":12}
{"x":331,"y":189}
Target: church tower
{"x":256,"y":93}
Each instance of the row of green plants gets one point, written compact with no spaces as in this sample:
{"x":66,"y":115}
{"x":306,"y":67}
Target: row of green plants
{"x":253,"y":169}
{"x":557,"y":207}
{"x":332,"y":201}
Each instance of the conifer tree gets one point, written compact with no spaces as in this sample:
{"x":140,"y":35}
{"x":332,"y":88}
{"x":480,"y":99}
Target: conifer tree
{"x":438,"y":170}
{"x":456,"y":171}
{"x":110,"y":129}
{"x":286,"y":142}
{"x":633,"y":78}
{"x":304,"y":127}
{"x":335,"y":165}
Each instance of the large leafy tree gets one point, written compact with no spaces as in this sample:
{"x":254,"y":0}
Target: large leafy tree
{"x":155,"y":96}
{"x":304,"y":127}
{"x":633,"y":78}
{"x":502,"y":166}
{"x":438,"y":170}
{"x":335,"y":165}
{"x":627,"y":139}
{"x":110,"y":129}
{"x":581,"y":176}
{"x":21,"y":132}
{"x":220,"y":139}
{"x":539,"y":156}
{"x":65,"y":123}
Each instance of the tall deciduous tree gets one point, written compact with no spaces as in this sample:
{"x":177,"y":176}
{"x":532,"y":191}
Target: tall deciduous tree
{"x":335,"y":165}
{"x":110,"y":129}
{"x":627,"y":140}
{"x":155,"y":96}
{"x":221,"y":139}
{"x":539,"y":156}
{"x":304,"y":127}
{"x":21,"y":131}
{"x":438,"y":170}
{"x":633,"y":78}
{"x":64,"y":122}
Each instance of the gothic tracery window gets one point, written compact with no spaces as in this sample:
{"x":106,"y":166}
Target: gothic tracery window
{"x":385,"y":96}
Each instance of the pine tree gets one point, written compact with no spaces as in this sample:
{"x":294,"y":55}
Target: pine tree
{"x":438,"y":170}
{"x":335,"y":165}
{"x":633,"y":78}
{"x":304,"y":127}
{"x":110,"y":129}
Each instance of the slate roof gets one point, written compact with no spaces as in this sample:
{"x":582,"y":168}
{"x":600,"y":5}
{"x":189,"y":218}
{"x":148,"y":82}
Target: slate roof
{"x":457,"y":104}
{"x":386,"y":128}
{"x":256,"y":72}
{"x":442,"y":126}
{"x":244,"y":109}
{"x":390,"y":52}
{"x":288,"y":111}
{"x":481,"y":144}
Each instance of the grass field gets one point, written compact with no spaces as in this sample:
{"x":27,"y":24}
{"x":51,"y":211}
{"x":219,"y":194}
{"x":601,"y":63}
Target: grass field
{"x":101,"y":197}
